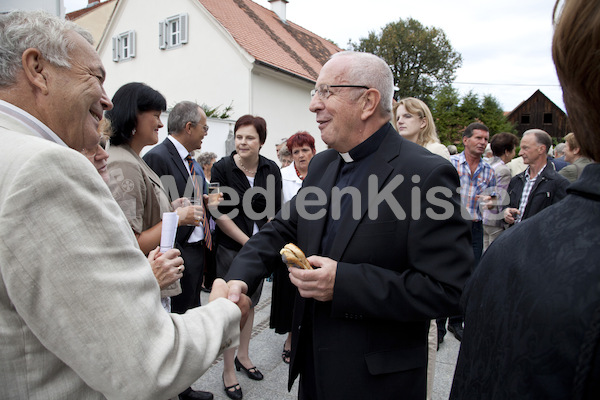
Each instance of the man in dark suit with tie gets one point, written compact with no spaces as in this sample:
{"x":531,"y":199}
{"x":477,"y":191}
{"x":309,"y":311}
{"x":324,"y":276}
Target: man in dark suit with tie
{"x":390,"y":255}
{"x":182,"y":176}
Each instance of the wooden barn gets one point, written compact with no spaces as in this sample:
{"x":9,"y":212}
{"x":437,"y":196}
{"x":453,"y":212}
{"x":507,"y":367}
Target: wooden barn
{"x":538,"y":111}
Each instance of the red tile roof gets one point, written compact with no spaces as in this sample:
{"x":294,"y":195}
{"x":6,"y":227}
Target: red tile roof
{"x":78,"y":13}
{"x":282,"y":45}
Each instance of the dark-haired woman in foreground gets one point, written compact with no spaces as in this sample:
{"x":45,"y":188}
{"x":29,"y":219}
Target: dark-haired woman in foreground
{"x":135,"y":121}
{"x":243,"y":170}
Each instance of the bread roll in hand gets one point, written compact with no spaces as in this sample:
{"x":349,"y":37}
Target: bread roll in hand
{"x":294,"y":257}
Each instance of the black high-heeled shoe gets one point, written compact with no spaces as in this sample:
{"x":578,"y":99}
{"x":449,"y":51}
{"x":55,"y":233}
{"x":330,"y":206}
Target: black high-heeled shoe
{"x":252,"y":372}
{"x":236,"y":393}
{"x":286,"y":355}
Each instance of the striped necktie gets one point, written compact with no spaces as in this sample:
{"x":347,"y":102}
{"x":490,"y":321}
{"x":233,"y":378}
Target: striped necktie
{"x":198,"y":195}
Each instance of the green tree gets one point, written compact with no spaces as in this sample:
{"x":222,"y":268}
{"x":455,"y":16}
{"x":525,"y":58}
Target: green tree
{"x":421,"y":58}
{"x":470,"y":108}
{"x":493,"y":116}
{"x":452,"y":114}
{"x":446,"y":113}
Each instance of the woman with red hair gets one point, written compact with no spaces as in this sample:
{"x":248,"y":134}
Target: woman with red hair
{"x":302,"y":147}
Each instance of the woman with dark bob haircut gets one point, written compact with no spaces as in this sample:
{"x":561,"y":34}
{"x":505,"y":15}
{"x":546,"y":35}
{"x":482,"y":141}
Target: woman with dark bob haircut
{"x":134,"y":98}
{"x":135,"y":121}
{"x":243,"y":170}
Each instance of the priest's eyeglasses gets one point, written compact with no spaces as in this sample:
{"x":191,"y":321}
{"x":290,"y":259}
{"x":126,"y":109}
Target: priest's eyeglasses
{"x":324,"y":92}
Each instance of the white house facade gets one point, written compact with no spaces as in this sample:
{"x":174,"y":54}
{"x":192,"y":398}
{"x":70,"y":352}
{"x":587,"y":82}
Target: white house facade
{"x":181,"y":49}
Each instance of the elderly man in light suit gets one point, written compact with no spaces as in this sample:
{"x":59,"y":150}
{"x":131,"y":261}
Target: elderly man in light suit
{"x":69,"y":262}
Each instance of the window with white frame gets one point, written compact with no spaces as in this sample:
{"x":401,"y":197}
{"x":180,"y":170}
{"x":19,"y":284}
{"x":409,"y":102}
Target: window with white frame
{"x":123,"y":46}
{"x":173,"y":31}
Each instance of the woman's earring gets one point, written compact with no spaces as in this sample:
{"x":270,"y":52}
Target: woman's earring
{"x":133,"y":132}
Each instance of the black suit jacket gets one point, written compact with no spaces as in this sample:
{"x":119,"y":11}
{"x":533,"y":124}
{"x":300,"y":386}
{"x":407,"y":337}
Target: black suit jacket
{"x":168,"y":165}
{"x":549,"y":188}
{"x":395,"y":272}
{"x":532,"y":307}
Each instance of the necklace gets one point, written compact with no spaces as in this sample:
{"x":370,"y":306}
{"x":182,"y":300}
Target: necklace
{"x":244,"y":168}
{"x":298,"y":173}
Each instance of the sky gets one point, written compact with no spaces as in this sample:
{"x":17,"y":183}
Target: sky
{"x":505,"y":45}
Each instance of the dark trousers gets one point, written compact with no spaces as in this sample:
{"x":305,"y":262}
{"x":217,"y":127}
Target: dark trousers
{"x":452,"y":321}
{"x":477,"y":241}
{"x":477,"y":244}
{"x":210,"y":266}
{"x":307,"y":389}
{"x":191,"y":282}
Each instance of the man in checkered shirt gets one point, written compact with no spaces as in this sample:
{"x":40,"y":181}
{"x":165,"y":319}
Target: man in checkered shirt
{"x":477,"y":183}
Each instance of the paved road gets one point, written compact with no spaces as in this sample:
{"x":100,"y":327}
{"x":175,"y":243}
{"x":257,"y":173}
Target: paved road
{"x":265,"y":352}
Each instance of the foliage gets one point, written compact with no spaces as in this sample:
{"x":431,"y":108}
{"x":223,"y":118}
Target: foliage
{"x":421,"y":58}
{"x":452,"y":114}
{"x":470,"y":108}
{"x":212,"y":112}
{"x":216,"y":113}
{"x":448,"y":118}
{"x":493,"y":116}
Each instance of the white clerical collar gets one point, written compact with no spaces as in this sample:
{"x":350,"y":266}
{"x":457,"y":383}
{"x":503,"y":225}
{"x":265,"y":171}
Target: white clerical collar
{"x":37,"y":127}
{"x":346,"y":157}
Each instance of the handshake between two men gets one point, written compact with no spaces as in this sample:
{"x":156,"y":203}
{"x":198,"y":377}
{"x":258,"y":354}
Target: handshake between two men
{"x":169,"y":266}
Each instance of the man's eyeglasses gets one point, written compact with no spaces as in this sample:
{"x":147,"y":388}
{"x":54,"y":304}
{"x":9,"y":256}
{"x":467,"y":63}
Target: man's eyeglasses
{"x":205,"y":127}
{"x":324,"y":91}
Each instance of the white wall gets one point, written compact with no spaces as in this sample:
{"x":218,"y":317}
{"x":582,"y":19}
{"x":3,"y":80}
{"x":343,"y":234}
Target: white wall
{"x":55,"y":7}
{"x":208,"y":69}
{"x":283,"y":102}
{"x":215,"y":140}
{"x":211,"y":69}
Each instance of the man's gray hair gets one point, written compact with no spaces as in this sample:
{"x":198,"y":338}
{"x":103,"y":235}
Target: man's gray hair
{"x":181,"y":114}
{"x":22,"y":30}
{"x":542,"y":137}
{"x":283,"y":152}
{"x":372,"y":71}
{"x":205,"y":158}
{"x":559,"y":150}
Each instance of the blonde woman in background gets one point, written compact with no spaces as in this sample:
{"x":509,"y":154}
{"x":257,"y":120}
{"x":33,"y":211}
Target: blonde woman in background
{"x":413,"y":120}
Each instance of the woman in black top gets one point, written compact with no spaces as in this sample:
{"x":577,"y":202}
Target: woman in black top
{"x":239,"y":175}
